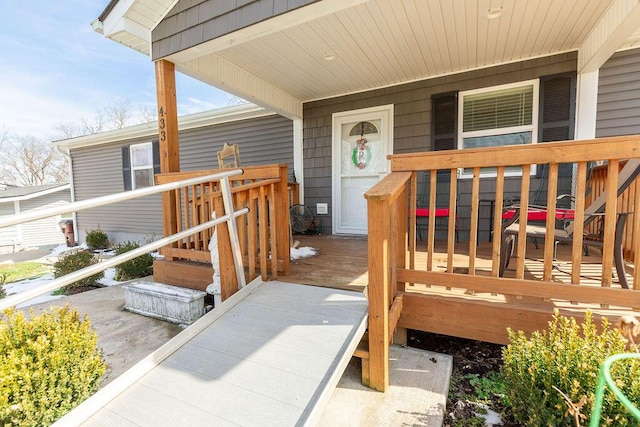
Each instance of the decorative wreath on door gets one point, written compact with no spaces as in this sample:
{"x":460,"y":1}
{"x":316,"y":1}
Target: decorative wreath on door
{"x":361,"y":155}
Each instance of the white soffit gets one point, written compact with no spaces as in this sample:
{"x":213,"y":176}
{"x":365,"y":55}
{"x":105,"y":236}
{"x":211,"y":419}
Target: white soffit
{"x":130,"y":22}
{"x":280,"y":62}
{"x":615,"y":27}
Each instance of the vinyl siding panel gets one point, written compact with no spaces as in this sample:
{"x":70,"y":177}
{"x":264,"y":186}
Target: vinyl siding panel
{"x":412,"y":123}
{"x":8,"y":235}
{"x":44,"y":231}
{"x":98,"y":171}
{"x":192,"y":22}
{"x":619,"y":95}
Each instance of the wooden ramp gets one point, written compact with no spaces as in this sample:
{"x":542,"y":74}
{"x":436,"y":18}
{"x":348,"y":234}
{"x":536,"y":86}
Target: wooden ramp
{"x":270,"y":355}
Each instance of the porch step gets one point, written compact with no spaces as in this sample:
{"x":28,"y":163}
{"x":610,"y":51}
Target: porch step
{"x":186,"y":274}
{"x":166,"y":302}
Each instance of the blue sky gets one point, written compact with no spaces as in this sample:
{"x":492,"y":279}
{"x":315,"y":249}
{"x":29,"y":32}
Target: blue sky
{"x":55,"y":68}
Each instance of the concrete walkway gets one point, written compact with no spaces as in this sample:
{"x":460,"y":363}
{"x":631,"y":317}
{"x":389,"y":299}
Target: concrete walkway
{"x":419,"y":379}
{"x":24,"y":256}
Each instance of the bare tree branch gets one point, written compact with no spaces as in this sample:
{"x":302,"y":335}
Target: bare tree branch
{"x":28,"y":161}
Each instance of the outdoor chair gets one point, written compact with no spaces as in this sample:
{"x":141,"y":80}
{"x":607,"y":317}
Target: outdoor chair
{"x":422,"y":211}
{"x":510,"y":227}
{"x":229,"y":156}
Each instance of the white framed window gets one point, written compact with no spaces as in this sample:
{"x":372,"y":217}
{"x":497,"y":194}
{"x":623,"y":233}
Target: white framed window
{"x":498,"y":116}
{"x":141,"y":156}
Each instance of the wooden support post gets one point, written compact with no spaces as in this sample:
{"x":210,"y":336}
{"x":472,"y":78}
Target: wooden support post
{"x":168,"y":138}
{"x":228,"y":277}
{"x":282,"y":221}
{"x":379,"y":277}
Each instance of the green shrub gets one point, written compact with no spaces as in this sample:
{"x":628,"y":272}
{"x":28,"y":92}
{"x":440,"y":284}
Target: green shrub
{"x":48,"y":365}
{"x":567,"y":356}
{"x":75,"y":261}
{"x":97,"y":239}
{"x":138,"y":267}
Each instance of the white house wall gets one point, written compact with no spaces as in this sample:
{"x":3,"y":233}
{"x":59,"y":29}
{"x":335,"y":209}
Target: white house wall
{"x":45,"y":231}
{"x":8,"y":235}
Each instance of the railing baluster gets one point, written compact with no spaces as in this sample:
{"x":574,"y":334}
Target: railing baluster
{"x":549,"y":244}
{"x":253,"y":232}
{"x":473,"y":232}
{"x":453,"y":217}
{"x":524,"y":208}
{"x":433,"y":181}
{"x":497,"y":222}
{"x":262,"y":212}
{"x":578,"y":221}
{"x":413,"y":188}
{"x":636,"y":237}
{"x":272,"y":232}
{"x":610,"y":221}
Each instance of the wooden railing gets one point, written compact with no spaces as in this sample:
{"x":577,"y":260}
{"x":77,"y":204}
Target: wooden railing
{"x":392,"y":244}
{"x":263,"y":233}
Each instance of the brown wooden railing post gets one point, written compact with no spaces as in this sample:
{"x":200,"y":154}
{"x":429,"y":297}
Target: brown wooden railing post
{"x":379,"y":277}
{"x":168,"y":138}
{"x":228,"y":279}
{"x":282,"y":220}
{"x":387,"y":210}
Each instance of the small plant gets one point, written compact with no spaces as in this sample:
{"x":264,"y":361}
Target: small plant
{"x":97,"y":239}
{"x":48,"y":365}
{"x":138,"y":267}
{"x":551,"y":377}
{"x":484,"y":388}
{"x":3,"y":280}
{"x":75,"y":261}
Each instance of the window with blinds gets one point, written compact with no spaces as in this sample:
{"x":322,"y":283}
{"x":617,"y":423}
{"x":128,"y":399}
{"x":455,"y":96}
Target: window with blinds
{"x":498,"y":116}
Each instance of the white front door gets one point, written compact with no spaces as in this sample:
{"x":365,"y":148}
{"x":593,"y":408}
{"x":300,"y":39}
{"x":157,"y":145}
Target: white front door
{"x":361,"y":141}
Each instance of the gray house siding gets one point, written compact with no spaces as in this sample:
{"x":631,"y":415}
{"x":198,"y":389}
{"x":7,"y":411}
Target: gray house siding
{"x":619,"y":95}
{"x":192,"y":22}
{"x":412,"y":127}
{"x":97,"y":171}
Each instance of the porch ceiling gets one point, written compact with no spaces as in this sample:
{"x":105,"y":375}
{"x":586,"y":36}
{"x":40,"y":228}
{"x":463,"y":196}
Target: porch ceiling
{"x":379,"y":43}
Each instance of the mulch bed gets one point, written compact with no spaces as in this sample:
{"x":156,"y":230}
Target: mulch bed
{"x":469,"y":357}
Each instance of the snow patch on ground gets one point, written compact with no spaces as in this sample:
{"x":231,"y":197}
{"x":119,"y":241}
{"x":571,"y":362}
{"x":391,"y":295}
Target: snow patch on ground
{"x":303,"y":252}
{"x":491,"y":418}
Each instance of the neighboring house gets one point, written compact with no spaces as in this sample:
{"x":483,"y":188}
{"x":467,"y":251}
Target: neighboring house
{"x":101,"y":163}
{"x":47,"y":231}
{"x":406,"y":76}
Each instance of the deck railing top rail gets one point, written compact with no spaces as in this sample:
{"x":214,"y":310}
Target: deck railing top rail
{"x":549,"y":152}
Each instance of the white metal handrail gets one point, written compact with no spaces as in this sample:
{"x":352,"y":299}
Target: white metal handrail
{"x":111,"y":198}
{"x":230,"y":216}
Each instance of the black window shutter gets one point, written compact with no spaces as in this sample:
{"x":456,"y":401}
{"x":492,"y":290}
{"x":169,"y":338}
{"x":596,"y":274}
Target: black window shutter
{"x":126,"y":168}
{"x":155,"y":147}
{"x":557,"y":107}
{"x":556,"y":120}
{"x":444,"y":121}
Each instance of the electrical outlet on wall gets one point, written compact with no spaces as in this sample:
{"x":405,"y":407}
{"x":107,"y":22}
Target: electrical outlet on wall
{"x":322,"y":208}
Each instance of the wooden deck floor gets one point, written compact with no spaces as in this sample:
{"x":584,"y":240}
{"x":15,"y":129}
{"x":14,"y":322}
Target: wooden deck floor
{"x":342,"y":262}
{"x":270,"y":355}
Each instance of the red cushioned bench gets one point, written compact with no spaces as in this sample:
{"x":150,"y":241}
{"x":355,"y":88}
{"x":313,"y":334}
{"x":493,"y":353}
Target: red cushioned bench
{"x":540,"y":215}
{"x":439,"y":213}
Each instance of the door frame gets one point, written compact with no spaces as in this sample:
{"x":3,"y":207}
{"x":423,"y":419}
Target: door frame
{"x":382,"y":112}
